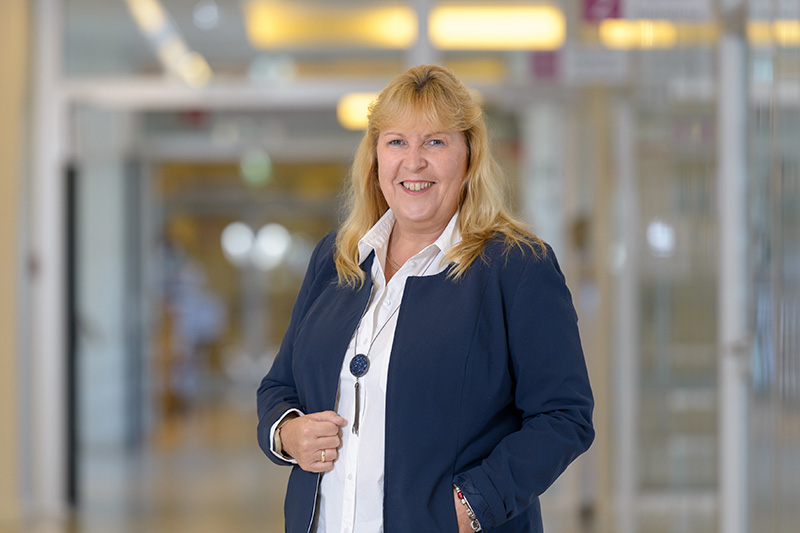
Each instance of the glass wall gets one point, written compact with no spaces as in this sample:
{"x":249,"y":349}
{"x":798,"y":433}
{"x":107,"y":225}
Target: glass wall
{"x":677,"y":296}
{"x":774,"y":301}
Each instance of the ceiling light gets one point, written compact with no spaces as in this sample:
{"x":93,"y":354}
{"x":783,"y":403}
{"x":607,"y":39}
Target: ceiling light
{"x":779,"y":32}
{"x":353,"y":110}
{"x":625,"y":34}
{"x":194,"y":69}
{"x":539,"y":27}
{"x":149,"y":15}
{"x":272,"y":24}
{"x":787,"y":32}
{"x":170,"y":47}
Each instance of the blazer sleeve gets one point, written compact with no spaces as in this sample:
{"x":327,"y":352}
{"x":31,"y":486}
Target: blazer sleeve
{"x":552,"y":395}
{"x":277,"y":393}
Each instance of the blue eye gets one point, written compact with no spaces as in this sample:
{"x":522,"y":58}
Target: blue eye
{"x":436,"y":142}
{"x":395,"y":142}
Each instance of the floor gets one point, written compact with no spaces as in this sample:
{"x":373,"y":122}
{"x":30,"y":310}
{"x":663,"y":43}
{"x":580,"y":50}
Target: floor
{"x":202,"y":472}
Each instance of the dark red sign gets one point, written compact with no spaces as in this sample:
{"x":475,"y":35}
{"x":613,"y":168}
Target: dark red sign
{"x":597,"y":10}
{"x":545,"y":65}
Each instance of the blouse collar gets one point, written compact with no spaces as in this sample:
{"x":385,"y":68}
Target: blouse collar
{"x":377,"y":238}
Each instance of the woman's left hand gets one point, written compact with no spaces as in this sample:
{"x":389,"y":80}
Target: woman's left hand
{"x":461,"y":514}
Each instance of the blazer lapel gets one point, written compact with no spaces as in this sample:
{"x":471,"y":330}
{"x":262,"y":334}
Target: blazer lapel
{"x":343,"y":308}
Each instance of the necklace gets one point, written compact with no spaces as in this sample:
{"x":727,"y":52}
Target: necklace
{"x":392,"y":263}
{"x":359,"y":364}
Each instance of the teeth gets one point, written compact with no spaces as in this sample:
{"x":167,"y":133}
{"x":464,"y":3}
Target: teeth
{"x":417,"y":186}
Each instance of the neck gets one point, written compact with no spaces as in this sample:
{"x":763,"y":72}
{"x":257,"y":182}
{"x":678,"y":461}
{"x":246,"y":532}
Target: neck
{"x":404,"y":244}
{"x":417,"y":235}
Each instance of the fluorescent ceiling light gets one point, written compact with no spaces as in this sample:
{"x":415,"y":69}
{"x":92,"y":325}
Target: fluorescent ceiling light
{"x":624,"y":34}
{"x":149,"y":15}
{"x":170,"y":47}
{"x":273,"y":24}
{"x":539,"y":27}
{"x":353,"y":109}
{"x":779,"y":32}
{"x":787,"y":32}
{"x":194,"y":69}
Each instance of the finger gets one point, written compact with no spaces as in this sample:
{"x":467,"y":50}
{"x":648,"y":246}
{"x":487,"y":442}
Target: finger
{"x":325,"y":429}
{"x":317,"y":467}
{"x":309,"y":429}
{"x":311,"y":445}
{"x":314,"y":463}
{"x":328,"y":443}
{"x":329,"y":416}
{"x":320,"y":467}
{"x":301,"y":438}
{"x":318,"y":456}
{"x":331,"y":454}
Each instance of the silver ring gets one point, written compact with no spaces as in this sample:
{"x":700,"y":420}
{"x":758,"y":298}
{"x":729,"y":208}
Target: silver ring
{"x":323,"y":456}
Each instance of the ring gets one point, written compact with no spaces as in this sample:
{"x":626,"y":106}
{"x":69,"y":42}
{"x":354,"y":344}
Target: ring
{"x":323,"y":456}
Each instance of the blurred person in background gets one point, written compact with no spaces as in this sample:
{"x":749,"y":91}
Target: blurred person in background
{"x":432,"y":376}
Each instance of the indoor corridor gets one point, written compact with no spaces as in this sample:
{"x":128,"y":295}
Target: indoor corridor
{"x":167,"y":167}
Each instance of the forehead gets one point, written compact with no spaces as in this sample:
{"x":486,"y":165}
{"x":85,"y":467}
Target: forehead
{"x":416,"y":116}
{"x":415,"y":125}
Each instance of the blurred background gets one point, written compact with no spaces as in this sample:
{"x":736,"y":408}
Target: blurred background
{"x":166,"y":167}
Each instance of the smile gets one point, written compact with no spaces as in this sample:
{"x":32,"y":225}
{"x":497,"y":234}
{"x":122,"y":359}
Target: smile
{"x":417,"y":185}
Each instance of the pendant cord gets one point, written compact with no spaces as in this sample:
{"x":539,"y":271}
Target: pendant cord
{"x":369,"y":303}
{"x":359,"y":364}
{"x":375,"y":338}
{"x":392,"y":263}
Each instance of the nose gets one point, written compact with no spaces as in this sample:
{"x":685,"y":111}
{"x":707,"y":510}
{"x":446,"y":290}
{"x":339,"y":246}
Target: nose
{"x":414,"y":160}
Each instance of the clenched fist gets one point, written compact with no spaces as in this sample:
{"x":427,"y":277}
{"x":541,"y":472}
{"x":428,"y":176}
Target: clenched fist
{"x":313,"y":440}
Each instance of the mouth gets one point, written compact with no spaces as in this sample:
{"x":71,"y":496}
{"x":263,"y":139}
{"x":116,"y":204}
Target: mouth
{"x":416,"y":186}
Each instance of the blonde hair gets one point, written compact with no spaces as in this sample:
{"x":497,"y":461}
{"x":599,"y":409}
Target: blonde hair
{"x":434,"y":95}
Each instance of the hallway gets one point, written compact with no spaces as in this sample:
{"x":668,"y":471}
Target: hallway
{"x":168,"y":173}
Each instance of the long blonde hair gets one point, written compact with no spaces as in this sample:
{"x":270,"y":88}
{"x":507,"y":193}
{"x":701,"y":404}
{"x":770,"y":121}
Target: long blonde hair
{"x":434,"y":95}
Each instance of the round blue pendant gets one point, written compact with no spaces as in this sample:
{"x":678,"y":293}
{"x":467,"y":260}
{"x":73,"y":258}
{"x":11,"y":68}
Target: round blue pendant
{"x":359,"y":365}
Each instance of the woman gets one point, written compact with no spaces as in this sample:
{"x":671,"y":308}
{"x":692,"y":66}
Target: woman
{"x":432,"y":377}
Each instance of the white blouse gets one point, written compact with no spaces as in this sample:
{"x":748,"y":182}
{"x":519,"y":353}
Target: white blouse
{"x":351,"y":494}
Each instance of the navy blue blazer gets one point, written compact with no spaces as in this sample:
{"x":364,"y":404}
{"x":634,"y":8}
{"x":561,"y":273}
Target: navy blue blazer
{"x":487,"y":388}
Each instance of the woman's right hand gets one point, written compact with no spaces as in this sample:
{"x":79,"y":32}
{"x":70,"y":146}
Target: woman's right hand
{"x":305,"y":438}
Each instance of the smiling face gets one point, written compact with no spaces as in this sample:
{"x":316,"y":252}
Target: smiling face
{"x":420,"y":170}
